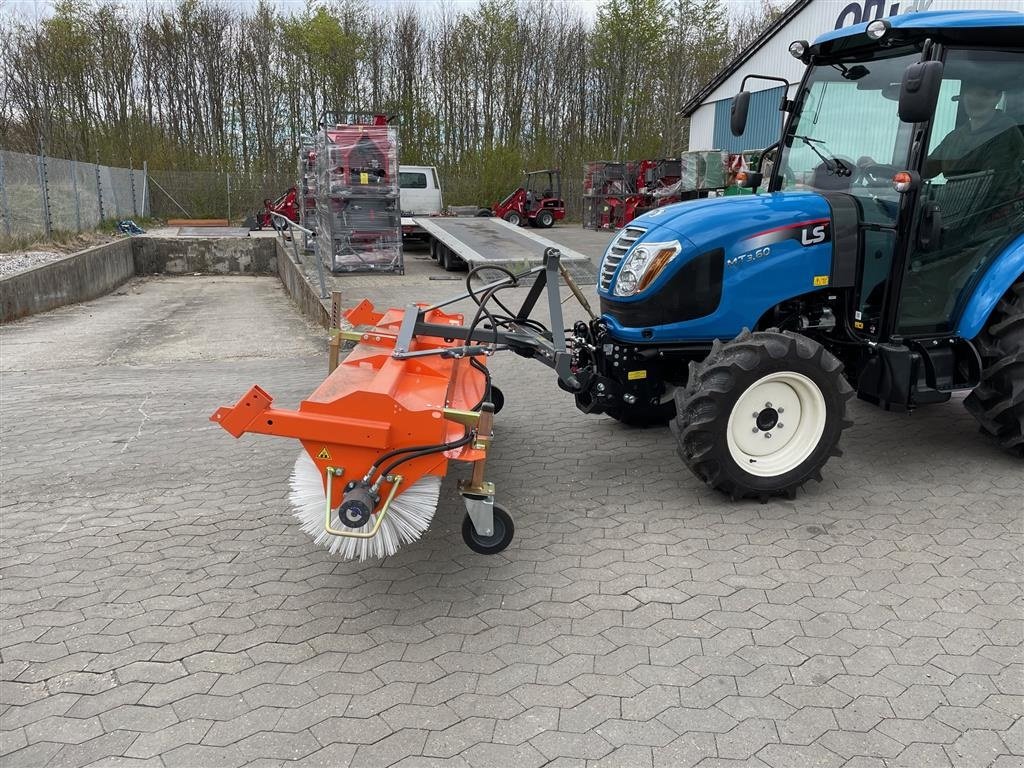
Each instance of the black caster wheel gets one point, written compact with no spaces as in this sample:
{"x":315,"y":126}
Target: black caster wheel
{"x":497,"y":399}
{"x":504,"y":530}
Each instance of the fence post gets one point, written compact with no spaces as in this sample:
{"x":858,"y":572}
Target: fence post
{"x":44,"y":190}
{"x":131,"y":176}
{"x":229,"y":199}
{"x":6,"y":210}
{"x":99,"y":187}
{"x":145,"y":187}
{"x":74,"y":188}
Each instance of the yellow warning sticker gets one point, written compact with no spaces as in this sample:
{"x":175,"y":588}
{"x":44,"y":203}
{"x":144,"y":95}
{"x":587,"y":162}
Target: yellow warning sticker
{"x":858,"y":325}
{"x":634,"y":375}
{"x":324,"y":453}
{"x":364,"y":178}
{"x":821,"y":279}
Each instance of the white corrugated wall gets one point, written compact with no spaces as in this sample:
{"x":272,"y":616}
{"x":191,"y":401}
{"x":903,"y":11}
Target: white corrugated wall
{"x":817,"y":18}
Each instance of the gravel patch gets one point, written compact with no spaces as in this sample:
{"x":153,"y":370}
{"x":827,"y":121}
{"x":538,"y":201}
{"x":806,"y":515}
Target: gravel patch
{"x":19,"y":261}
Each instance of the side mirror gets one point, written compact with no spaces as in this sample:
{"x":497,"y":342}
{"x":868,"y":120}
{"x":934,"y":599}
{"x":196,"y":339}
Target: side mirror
{"x":738,"y":113}
{"x":919,"y":91}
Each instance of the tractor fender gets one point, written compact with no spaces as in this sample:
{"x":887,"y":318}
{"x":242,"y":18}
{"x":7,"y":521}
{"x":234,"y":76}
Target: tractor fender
{"x":1005,"y":269}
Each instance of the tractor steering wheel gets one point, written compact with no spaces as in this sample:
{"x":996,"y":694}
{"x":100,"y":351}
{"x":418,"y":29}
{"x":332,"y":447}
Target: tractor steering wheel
{"x":872,"y":174}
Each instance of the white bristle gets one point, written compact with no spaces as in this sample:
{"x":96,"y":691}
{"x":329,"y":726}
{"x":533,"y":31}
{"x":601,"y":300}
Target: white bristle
{"x":409,"y":516}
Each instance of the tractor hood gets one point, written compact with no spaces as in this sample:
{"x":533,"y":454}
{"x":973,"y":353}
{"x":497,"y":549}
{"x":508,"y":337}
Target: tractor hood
{"x":755,"y":250}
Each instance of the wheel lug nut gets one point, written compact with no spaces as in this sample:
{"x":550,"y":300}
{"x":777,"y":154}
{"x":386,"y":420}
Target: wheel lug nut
{"x":754,"y":415}
{"x":781,"y":410}
{"x":780,"y":425}
{"x":767,"y":405}
{"x":767,"y":435}
{"x":755,"y":430}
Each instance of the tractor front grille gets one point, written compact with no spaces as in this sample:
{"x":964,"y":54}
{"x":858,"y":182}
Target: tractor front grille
{"x":618,"y":248}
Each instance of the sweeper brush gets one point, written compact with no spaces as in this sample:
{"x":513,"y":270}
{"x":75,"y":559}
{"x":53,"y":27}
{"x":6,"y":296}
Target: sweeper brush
{"x":412,"y":395}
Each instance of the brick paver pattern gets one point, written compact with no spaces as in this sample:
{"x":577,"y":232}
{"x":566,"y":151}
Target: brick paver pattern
{"x":160,"y":606}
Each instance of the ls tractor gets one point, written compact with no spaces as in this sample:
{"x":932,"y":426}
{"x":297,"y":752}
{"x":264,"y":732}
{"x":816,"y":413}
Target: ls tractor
{"x":883,"y":257}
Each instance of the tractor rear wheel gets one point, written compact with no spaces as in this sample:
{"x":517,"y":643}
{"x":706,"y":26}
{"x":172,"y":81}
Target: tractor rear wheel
{"x":762,"y":414}
{"x":514,"y":218}
{"x":544,"y":218}
{"x":998,"y":401}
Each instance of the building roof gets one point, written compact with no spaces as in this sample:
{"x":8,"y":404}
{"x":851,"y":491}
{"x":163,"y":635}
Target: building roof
{"x":743,"y":56}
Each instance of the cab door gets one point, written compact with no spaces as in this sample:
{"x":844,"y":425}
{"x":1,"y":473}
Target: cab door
{"x":971,"y":201}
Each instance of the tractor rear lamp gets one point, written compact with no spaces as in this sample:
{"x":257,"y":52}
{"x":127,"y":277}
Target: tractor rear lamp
{"x":877,"y":29}
{"x":903,"y":182}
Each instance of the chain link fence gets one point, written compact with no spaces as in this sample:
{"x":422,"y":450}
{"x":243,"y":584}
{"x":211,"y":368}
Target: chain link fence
{"x":40,"y":195}
{"x":213,"y":194}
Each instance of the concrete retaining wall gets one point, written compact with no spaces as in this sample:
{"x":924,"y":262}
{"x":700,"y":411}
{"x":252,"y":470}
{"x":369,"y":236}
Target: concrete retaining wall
{"x":298,"y":287}
{"x":208,"y":255}
{"x":94,"y":272}
{"x":81,"y":276}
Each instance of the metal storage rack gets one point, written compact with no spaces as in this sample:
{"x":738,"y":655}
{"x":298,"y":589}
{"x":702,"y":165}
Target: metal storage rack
{"x":358,"y":222}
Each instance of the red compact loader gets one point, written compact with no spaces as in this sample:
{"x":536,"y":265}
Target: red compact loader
{"x":538,"y":202}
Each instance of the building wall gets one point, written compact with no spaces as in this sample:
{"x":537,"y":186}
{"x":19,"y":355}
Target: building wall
{"x":774,"y":58}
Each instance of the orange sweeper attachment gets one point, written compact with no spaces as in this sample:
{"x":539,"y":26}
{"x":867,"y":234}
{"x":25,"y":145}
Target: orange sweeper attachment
{"x":414,"y":394}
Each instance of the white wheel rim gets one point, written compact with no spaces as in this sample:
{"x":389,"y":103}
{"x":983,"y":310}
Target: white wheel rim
{"x":776,"y":424}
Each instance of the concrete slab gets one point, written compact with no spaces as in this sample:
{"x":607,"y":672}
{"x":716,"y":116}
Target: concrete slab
{"x":159,"y":603}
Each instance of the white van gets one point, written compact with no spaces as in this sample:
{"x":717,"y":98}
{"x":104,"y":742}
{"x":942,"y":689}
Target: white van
{"x":419,"y":190}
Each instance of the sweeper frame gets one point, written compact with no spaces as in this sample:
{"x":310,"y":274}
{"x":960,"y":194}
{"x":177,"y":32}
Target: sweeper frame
{"x":414,"y":370}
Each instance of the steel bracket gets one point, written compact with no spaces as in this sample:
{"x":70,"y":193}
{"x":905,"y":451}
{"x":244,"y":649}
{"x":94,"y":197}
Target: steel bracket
{"x":479,"y":506}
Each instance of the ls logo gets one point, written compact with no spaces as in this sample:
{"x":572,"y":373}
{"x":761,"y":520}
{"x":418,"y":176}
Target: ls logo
{"x":813,"y":235}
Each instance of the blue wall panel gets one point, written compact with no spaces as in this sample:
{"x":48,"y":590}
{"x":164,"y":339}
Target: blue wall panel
{"x":764,"y":122}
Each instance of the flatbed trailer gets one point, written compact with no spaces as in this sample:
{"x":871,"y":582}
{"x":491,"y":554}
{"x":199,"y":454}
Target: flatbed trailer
{"x":474,"y":241}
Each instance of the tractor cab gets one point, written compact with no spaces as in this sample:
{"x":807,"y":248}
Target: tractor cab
{"x":914,"y":138}
{"x":538,"y":202}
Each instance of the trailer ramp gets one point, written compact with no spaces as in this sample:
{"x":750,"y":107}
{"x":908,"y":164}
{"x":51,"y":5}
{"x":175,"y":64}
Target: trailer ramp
{"x":494,"y":242}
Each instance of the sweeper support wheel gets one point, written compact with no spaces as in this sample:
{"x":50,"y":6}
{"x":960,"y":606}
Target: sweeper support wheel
{"x":487,"y":537}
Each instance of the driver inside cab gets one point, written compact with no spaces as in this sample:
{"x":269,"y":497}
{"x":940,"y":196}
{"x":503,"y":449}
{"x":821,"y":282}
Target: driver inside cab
{"x":988,"y":140}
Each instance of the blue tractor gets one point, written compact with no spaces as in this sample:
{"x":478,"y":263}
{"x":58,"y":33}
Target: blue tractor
{"x":882,"y":257}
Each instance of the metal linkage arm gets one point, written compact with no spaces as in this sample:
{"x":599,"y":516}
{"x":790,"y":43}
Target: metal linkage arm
{"x":523,"y":339}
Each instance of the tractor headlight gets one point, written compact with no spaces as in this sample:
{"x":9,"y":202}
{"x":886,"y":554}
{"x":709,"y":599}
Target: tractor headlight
{"x":643,"y":265}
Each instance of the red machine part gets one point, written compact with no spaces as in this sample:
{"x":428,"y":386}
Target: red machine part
{"x":373,"y":403}
{"x":286,"y":205}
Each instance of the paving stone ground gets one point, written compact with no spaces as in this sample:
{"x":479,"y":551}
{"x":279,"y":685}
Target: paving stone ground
{"x":160,"y":607}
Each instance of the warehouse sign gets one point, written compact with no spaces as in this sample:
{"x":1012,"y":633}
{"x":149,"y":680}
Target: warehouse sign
{"x":867,"y":10}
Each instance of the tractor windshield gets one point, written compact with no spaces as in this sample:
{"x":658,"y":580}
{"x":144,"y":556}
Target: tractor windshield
{"x":847,"y":135}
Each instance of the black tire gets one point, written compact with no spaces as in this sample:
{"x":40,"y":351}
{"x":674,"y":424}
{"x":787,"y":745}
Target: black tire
{"x":732,"y":375}
{"x":484,"y":213}
{"x":504,"y":531}
{"x":497,"y":399}
{"x":998,"y":401}
{"x":544,"y":219}
{"x":448,"y":259}
{"x":514,"y":218}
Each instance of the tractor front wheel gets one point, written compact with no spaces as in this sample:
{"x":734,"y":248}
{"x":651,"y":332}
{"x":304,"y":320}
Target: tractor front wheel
{"x":998,"y":401}
{"x":514,"y":218}
{"x":761,"y":415}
